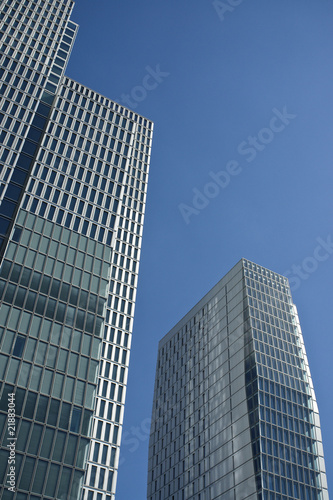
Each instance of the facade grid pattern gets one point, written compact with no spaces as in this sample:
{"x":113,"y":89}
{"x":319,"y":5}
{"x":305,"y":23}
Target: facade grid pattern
{"x":234,"y":411}
{"x":73,"y":185}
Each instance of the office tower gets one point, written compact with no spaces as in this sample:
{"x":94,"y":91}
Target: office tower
{"x":234,"y":413}
{"x":74,"y":170}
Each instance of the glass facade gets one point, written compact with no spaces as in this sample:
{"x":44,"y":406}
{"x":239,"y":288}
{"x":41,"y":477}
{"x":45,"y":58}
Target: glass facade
{"x":234,"y":411}
{"x":73,"y":183}
{"x":36,"y":41}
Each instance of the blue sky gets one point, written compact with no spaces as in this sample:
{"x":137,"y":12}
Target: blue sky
{"x":244,"y":95}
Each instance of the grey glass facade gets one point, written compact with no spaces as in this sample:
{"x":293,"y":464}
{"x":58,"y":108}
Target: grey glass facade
{"x":74,"y":172}
{"x":234,"y":411}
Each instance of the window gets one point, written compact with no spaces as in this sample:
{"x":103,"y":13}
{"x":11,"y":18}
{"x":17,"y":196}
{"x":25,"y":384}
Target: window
{"x":93,"y":475}
{"x":19,"y":345}
{"x":96,"y":452}
{"x":104,"y":454}
{"x":101,"y":409}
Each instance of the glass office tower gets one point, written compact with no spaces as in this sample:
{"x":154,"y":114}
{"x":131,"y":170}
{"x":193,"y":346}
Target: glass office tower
{"x":234,"y":413}
{"x":73,"y":181}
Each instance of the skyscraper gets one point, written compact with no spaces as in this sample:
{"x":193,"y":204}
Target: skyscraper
{"x":74,"y":171}
{"x":234,"y":411}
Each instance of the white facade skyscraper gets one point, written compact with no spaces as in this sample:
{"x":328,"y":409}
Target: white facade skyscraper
{"x":234,"y":412}
{"x":74,"y":172}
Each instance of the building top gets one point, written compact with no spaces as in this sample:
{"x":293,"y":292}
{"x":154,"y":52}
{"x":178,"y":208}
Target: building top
{"x":227,"y":279}
{"x":107,"y":102}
